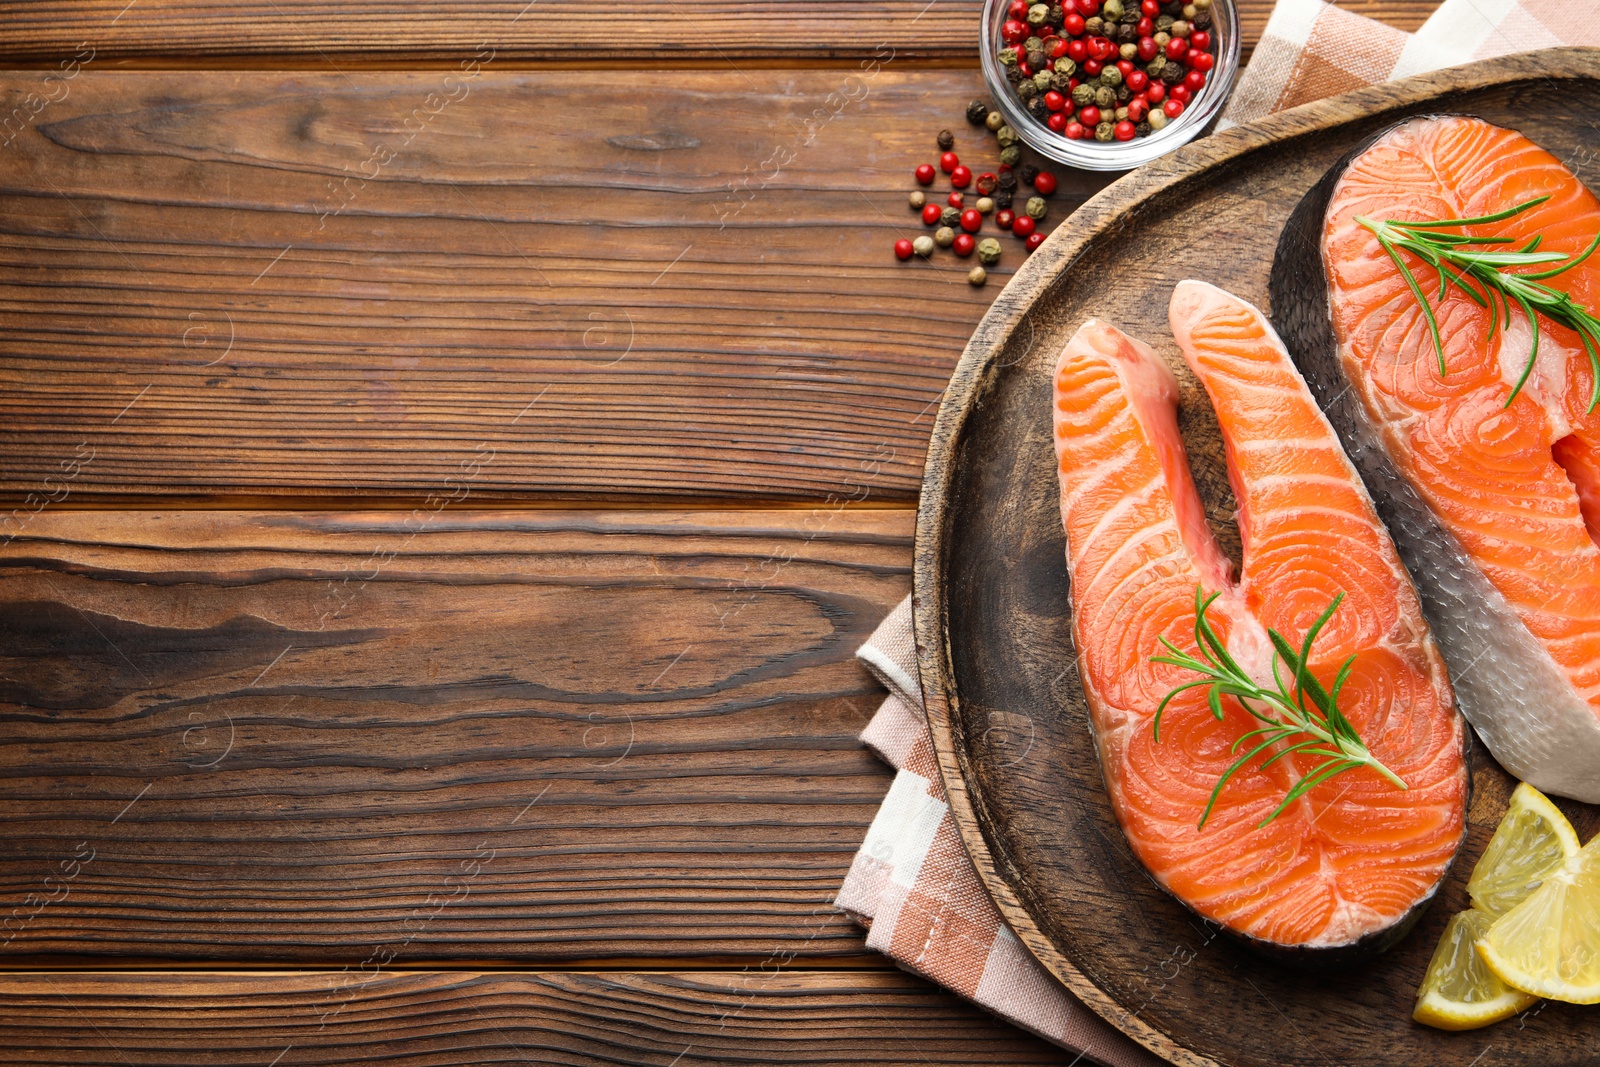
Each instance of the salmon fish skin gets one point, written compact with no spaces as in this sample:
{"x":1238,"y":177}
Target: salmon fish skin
{"x":1348,"y":868}
{"x":1539,"y":717}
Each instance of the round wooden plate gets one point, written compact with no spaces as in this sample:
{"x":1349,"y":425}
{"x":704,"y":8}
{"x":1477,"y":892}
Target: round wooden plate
{"x":998,"y":666}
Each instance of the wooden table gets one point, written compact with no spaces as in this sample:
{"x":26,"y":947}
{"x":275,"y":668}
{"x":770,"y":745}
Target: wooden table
{"x":450,"y":457}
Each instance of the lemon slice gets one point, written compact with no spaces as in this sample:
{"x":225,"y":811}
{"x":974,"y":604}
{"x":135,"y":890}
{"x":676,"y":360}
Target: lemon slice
{"x":1550,"y":943}
{"x":1459,"y":991}
{"x":1532,"y":841}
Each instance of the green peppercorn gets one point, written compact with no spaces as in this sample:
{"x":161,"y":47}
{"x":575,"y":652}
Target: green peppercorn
{"x":1037,"y":14}
{"x":918,"y":200}
{"x":946,"y":139}
{"x":1041,"y":80}
{"x":1027,"y":90}
{"x":1157,"y":118}
{"x":994,"y":120}
{"x":1008,"y":58}
{"x":1104,"y":97}
{"x":1083,"y":95}
{"x":1164,"y":24}
{"x":977,"y":111}
{"x":1010,"y":154}
{"x":1093,"y":26}
{"x":984,"y":205}
{"x":1065,"y":69}
{"x":1106,"y":131}
{"x":1156,"y":66}
{"x":1036,"y":207}
{"x":944,"y":237}
{"x":1006,"y":136}
{"x":1111,"y":76}
{"x":1111,"y":9}
{"x":1035,"y":49}
{"x":950,"y":216}
{"x":977,"y":276}
{"x":988,"y":251}
{"x":923,"y":246}
{"x":1057,"y":13}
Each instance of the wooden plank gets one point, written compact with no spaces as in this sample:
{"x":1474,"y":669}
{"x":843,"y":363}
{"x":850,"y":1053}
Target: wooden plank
{"x":522,"y":736}
{"x":713,"y":32}
{"x":202,"y":295}
{"x":427,"y":1019}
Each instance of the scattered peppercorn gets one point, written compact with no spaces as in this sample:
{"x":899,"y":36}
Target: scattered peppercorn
{"x":918,"y":199}
{"x":956,"y":200}
{"x":1003,"y":218}
{"x":925,"y":174}
{"x":902,"y":249}
{"x":1010,"y":154}
{"x":931,"y":215}
{"x":994,"y":121}
{"x":949,"y":162}
{"x":923,"y":246}
{"x":986,"y":183}
{"x":944,"y":236}
{"x":977,"y":112}
{"x":972,"y":220}
{"x":977,"y":276}
{"x":1045,"y":183}
{"x":963,"y":245}
{"x":1036,"y":208}
{"x":984,"y":205}
{"x":947,"y":140}
{"x":1002,"y":199}
{"x":961,"y":177}
{"x":1022,"y":226}
{"x":988,"y":251}
{"x":1034,"y":241}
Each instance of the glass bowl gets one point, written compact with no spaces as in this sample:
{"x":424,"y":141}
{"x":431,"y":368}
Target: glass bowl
{"x":1114,"y":155}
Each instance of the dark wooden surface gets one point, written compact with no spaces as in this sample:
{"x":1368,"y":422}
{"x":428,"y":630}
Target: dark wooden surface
{"x":566,"y":289}
{"x":994,"y":613}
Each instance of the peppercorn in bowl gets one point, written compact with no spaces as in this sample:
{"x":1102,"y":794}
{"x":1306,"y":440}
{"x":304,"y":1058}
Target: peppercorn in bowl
{"x":1108,"y":84}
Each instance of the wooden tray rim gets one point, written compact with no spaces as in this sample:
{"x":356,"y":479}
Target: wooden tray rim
{"x":973,"y":376}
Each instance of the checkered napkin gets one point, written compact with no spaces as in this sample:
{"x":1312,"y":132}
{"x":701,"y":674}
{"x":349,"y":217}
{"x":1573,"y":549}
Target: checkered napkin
{"x":912,"y":884}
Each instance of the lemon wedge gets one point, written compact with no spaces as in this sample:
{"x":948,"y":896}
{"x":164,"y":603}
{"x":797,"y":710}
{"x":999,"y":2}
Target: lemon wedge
{"x":1550,"y":943}
{"x":1532,"y":841}
{"x":1459,"y":991}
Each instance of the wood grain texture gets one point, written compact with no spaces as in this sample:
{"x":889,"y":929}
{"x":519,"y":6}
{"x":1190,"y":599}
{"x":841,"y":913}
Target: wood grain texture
{"x":716,"y":33}
{"x":431,"y":1019}
{"x":473,"y":735}
{"x":1005,"y":706}
{"x":302,"y":285}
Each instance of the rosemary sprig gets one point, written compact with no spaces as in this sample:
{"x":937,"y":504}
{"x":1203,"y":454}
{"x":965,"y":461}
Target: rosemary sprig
{"x":1305,"y":715}
{"x":1487,"y":278}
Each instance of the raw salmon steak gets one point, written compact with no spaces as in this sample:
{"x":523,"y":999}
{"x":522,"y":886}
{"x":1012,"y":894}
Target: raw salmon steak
{"x":1494,"y":507}
{"x":1349,"y":865}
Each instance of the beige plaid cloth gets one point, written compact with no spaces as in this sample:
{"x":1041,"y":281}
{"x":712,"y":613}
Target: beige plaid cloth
{"x":912,"y":884}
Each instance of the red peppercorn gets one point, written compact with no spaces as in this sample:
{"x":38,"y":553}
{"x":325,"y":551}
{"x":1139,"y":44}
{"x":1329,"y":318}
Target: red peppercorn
{"x":1034,"y":241}
{"x":955,"y":200}
{"x":948,"y":162}
{"x":1136,"y":80}
{"x":1022,"y":225}
{"x":1138,"y":109}
{"x":1013,"y":31}
{"x":1124,"y":131}
{"x":1199,"y":40}
{"x":961,"y":177}
{"x":1073,"y":24}
{"x":1148,"y":49}
{"x":1077,"y":51}
{"x":1156,"y":93}
{"x":1075,"y":131}
{"x":1172,"y":108}
{"x":1044,"y":182}
{"x":1176,"y":48}
{"x":1150,"y":8}
{"x":1017,"y":9}
{"x":902,"y":249}
{"x":1089,"y":116}
{"x":1087,"y":8}
{"x":985,"y":183}
{"x":1025,"y":69}
{"x":930,"y":215}
{"x":1093,"y":67}
{"x":1004,"y":217}
{"x":1055,"y":47}
{"x":925,"y":174}
{"x":1057,"y":121}
{"x":1145,"y":27}
{"x":1201,"y":61}
{"x":963,"y":244}
{"x":1180,"y":93}
{"x":971,"y":220}
{"x":1102,"y":48}
{"x":1054,"y":101}
{"x":1194,"y":81}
